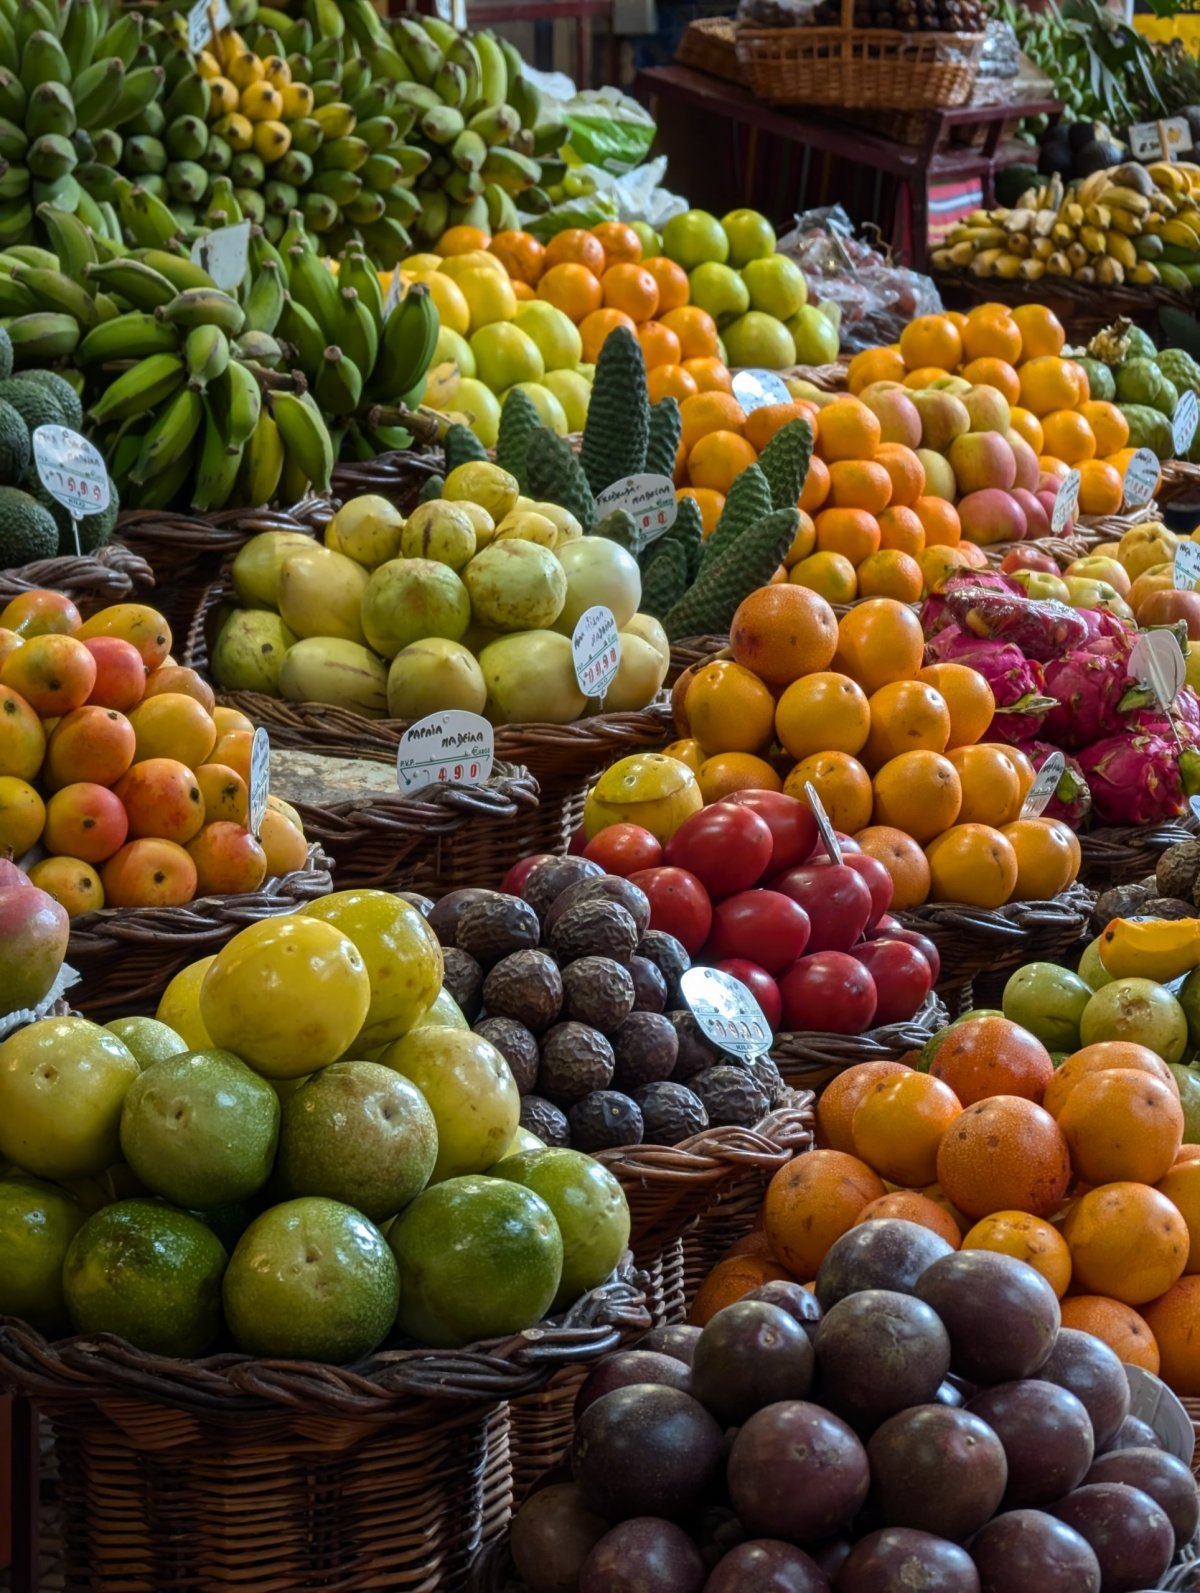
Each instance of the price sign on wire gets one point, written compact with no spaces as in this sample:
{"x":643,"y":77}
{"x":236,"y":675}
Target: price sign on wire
{"x":260,"y":778}
{"x":726,"y":1012}
{"x":1183,"y":423}
{"x":1038,"y":797}
{"x":1141,"y":478}
{"x":1156,"y":662}
{"x":205,"y":20}
{"x":1065,"y":501}
{"x":824,"y":829}
{"x":223,"y":254}
{"x":450,"y":748}
{"x":650,"y":499}
{"x":755,"y":389}
{"x":72,"y":471}
{"x":1185,"y":572}
{"x":596,"y":648}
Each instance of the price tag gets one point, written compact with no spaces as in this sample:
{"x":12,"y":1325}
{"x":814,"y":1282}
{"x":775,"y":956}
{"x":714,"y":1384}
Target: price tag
{"x":260,"y":777}
{"x":650,"y":499}
{"x":755,"y":389}
{"x":450,"y":748}
{"x":1160,"y":140}
{"x":1183,"y":423}
{"x":1037,"y":798}
{"x":72,"y":470}
{"x":1141,"y":478}
{"x":395,"y":292}
{"x":1151,"y":1401}
{"x":223,"y":254}
{"x":726,"y":1012}
{"x":200,"y":22}
{"x":828,"y":839}
{"x":1065,"y":501}
{"x":1194,"y":805}
{"x":596,"y":647}
{"x":1186,"y":568}
{"x":1157,"y":664}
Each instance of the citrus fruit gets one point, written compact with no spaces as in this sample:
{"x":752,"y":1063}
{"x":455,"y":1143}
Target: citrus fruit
{"x":1004,"y":1154}
{"x":1127,"y":1241}
{"x":991,"y":788}
{"x":576,"y":246}
{"x":931,"y":340}
{"x":781,"y":633}
{"x":1030,"y":1239}
{"x":968,"y":699}
{"x":38,"y":1220}
{"x":589,"y":1207}
{"x":831,"y":575}
{"x":841,"y":783}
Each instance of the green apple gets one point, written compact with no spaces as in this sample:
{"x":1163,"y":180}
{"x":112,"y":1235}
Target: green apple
{"x":815,"y":336}
{"x":777,"y":286}
{"x":751,"y":236}
{"x":719,"y":290}
{"x":694,"y":237}
{"x":759,"y":340}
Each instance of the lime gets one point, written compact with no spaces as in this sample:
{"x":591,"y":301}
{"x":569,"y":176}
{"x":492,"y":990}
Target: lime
{"x":777,"y":286}
{"x":149,"y":1274}
{"x":179,"y":1007}
{"x":719,"y":290}
{"x":478,"y":1258}
{"x":148,"y":1039}
{"x":589,"y":1207}
{"x":694,"y":237}
{"x":760,"y":340}
{"x":504,"y":355}
{"x":554,"y":332}
{"x":200,"y":1129}
{"x":401,"y":953}
{"x":1048,"y":1001}
{"x":814,"y":335}
{"x":62,"y":1082}
{"x":751,"y":236}
{"x":311,"y":1280}
{"x":37,"y":1223}
{"x":470,"y":1090}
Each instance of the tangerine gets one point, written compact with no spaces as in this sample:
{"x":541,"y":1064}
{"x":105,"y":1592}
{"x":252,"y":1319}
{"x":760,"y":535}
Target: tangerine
{"x":816,"y":485}
{"x":669,"y":381}
{"x":659,"y":346}
{"x":1174,"y":1321}
{"x":695,"y":329}
{"x":899,"y":1123}
{"x":919,"y":793}
{"x":576,"y":246}
{"x":1068,"y":436}
{"x":803,"y":542}
{"x":991,"y":787}
{"x":931,"y":340}
{"x":710,"y":374}
{"x":812,"y":1202}
{"x":906,"y":716}
{"x":718,"y":459}
{"x":1108,"y":424}
{"x":830,"y":574}
{"x":1004,"y":1154}
{"x":873,"y":365}
{"x":709,"y":503}
{"x":909,"y":1206}
{"x":707,"y":412}
{"x":891,"y":574}
{"x":732,"y":1280}
{"x":991,"y":332}
{"x":1127,"y":1241}
{"x":901,"y":531}
{"x":462,"y":240}
{"x":1101,"y":490}
{"x":619,"y":242}
{"x":997,"y":373}
{"x":859,"y":484}
{"x":972,"y":863}
{"x":629,"y":288}
{"x":1046,"y":860}
{"x":906,"y":471}
{"x":940,"y":522}
{"x":1048,"y":384}
{"x":727,"y":772}
{"x":671,"y":281}
{"x":1123,"y":1329}
{"x":572,"y":289}
{"x":1041,"y":330}
{"x":841,"y":783}
{"x":764,"y":422}
{"x":782,"y":633}
{"x":1181,"y":1186}
{"x":847,"y":429}
{"x":839,"y":1100}
{"x":879,"y":641}
{"x":904,"y":861}
{"x":987,"y":1056}
{"x":595,"y":328}
{"x":822,"y":712}
{"x":729,"y":709}
{"x":1026,"y":424}
{"x":1029,"y":1239}
{"x":521,"y":255}
{"x":1122,"y":1125}
{"x":854,"y":533}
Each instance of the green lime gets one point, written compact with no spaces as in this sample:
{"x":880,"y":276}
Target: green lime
{"x":589,"y":1207}
{"x":37,"y":1223}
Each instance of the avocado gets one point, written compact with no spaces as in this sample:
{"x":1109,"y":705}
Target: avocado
{"x":35,"y":403}
{"x":1095,"y":157}
{"x":68,"y":398}
{"x":15,"y":447}
{"x":6,"y":355}
{"x":1012,"y":181}
{"x":27,"y":530}
{"x":1079,"y":134}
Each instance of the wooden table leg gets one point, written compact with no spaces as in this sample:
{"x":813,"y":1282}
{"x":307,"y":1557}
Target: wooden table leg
{"x":26,"y":1471}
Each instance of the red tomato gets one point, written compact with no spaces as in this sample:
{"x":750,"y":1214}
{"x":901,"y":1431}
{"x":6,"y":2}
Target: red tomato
{"x":625,"y":848}
{"x":879,"y":881}
{"x":679,"y":904}
{"x":902,"y":978}
{"x":726,"y":847}
{"x":889,"y":928}
{"x":791,"y":823}
{"x":760,"y":985}
{"x":763,"y":927}
{"x":829,"y":991}
{"x":519,"y":872}
{"x":836,"y":898}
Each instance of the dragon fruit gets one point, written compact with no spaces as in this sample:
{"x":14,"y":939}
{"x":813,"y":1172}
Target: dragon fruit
{"x":1017,"y":682}
{"x":1042,"y":629}
{"x":1089,"y":684}
{"x":935,"y":614}
{"x":1101,"y":623}
{"x":1072,"y":801}
{"x":1139,"y":779}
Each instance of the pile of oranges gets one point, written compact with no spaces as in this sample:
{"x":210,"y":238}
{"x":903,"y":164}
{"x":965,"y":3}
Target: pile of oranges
{"x":1081,"y":1172}
{"x":894,"y":749}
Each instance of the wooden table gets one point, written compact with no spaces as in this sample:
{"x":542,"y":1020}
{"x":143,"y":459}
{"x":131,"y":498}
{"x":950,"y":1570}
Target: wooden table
{"x":727,"y":149}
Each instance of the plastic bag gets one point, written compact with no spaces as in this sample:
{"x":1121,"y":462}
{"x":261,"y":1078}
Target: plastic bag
{"x":605,"y":127}
{"x":635,"y":196}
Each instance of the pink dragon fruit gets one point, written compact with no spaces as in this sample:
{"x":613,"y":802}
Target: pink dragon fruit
{"x":1017,"y":682}
{"x":1139,"y":779}
{"x":1042,"y":629}
{"x":1072,"y":801}
{"x":935,"y":613}
{"x":1101,"y":623}
{"x":1089,"y":684}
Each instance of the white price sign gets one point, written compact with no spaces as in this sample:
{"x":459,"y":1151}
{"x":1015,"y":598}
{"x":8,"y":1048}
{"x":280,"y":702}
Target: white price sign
{"x":1157,"y":664}
{"x":650,"y":499}
{"x":726,"y":1012}
{"x":1185,"y":572}
{"x":450,"y":748}
{"x":1183,"y":423}
{"x":755,"y":389}
{"x":72,"y":470}
{"x":223,"y":254}
{"x":1160,"y":140}
{"x":1151,"y":1401}
{"x":260,"y":778}
{"x":1141,"y":478}
{"x":1038,"y":797}
{"x":828,"y":838}
{"x":1065,"y":501}
{"x":205,"y":21}
{"x":596,"y":647}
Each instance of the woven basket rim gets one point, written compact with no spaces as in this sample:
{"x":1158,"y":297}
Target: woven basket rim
{"x":714,"y":1153}
{"x":909,"y":1035}
{"x":508,"y":790}
{"x":1010,"y":922}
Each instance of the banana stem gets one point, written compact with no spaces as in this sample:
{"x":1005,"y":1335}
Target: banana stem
{"x":426,"y":425}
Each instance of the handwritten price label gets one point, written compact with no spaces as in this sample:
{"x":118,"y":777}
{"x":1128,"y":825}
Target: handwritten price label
{"x":1065,"y":501}
{"x":726,"y":1012}
{"x":1040,"y":793}
{"x":755,"y":389}
{"x":650,"y":499}
{"x":1183,"y":423}
{"x":223,"y":254}
{"x":1141,"y":478}
{"x":451,"y":748}
{"x":205,"y":21}
{"x":71,"y":470}
{"x":1157,"y":664}
{"x":1185,"y":572}
{"x":596,"y":648}
{"x":260,"y":778}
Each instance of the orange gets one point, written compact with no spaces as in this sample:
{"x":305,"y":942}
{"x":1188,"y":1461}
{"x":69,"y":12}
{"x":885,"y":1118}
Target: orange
{"x":822,"y":712}
{"x":919,"y":793}
{"x":708,"y":412}
{"x":708,"y":502}
{"x":728,"y":772}
{"x":709,"y":374}
{"x":1041,"y":330}
{"x":859,"y":484}
{"x":839,"y":1100}
{"x":905,"y":470}
{"x":816,"y":485}
{"x":854,"y":533}
{"x":671,"y":281}
{"x":972,"y":863}
{"x":989,"y":1055}
{"x":991,"y":788}
{"x":1119,"y":1326}
{"x":687,"y":751}
{"x":812,"y":1202}
{"x":695,"y":329}
{"x":931,"y":340}
{"x":911,"y":1207}
{"x":1053,"y":466}
{"x":1082,"y":380}
{"x":924,"y":376}
{"x":830,"y":574}
{"x":764,"y":422}
{"x":1046,"y":861}
{"x":576,"y":246}
{"x":1127,"y":1241}
{"x":874,"y":365}
{"x":1025,"y":770}
{"x":729,"y":709}
{"x":572,"y":289}
{"x":669,"y":381}
{"x":901,"y":531}
{"x":803,"y":542}
{"x":1101,"y":489}
{"x":619,"y":242}
{"x":1122,"y":1125}
{"x":627,"y":287}
{"x":940,"y":521}
{"x":1004,"y":1154}
{"x":462,"y":240}
{"x":967,"y":696}
{"x":718,"y":459}
{"x":988,"y":372}
{"x":906,"y":716}
{"x":783,"y":633}
{"x":523,"y":292}
{"x":1026,"y":424}
{"x":1068,"y":436}
{"x":899,"y":1124}
{"x":847,"y":429}
{"x":879,"y":641}
{"x":891,"y":574}
{"x":1108,"y":424}
{"x":1181,"y":1186}
{"x":594,"y":328}
{"x":732,"y":1280}
{"x":522,"y":256}
{"x":1048,"y":384}
{"x":991,"y":332}
{"x":903,"y":859}
{"x":1174,"y":1320}
{"x":842,"y":784}
{"x":1187,"y":1155}
{"x":1029,"y":1239}
{"x":660,"y":346}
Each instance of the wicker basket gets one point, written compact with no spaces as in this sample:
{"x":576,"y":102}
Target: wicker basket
{"x":692,"y":651}
{"x":397,"y":476}
{"x":1118,"y":855}
{"x":126,"y":957}
{"x":230,"y":1474}
{"x":709,"y":44}
{"x":808,"y":1059}
{"x":92,"y":582}
{"x":831,"y":378}
{"x":1179,"y":483}
{"x":1086,"y":309}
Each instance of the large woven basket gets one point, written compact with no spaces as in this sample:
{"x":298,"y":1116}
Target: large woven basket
{"x":126,"y":957}
{"x":110,"y":575}
{"x":1119,"y":855}
{"x":809,"y":1059}
{"x":397,"y":476}
{"x":232,"y":1474}
{"x":709,"y":44}
{"x":1179,"y":483}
